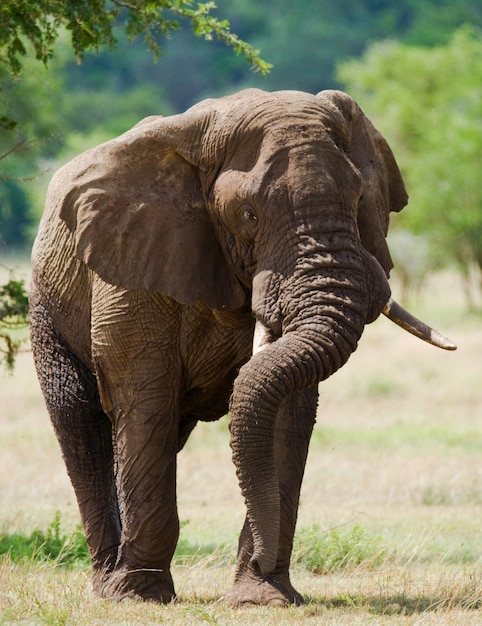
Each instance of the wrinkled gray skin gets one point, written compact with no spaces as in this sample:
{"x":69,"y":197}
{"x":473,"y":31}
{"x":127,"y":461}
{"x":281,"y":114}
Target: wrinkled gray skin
{"x":157,"y":253}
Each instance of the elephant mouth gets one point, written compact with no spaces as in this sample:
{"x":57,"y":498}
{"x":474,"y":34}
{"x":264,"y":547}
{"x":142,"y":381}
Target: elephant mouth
{"x":394,"y":312}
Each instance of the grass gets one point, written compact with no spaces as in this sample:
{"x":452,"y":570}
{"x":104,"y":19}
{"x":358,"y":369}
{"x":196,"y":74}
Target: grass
{"x":396,"y":594}
{"x":52,"y":545}
{"x":390,"y":513}
{"x":318,"y":550}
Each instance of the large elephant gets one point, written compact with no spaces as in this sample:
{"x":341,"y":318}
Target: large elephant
{"x":161,"y":256}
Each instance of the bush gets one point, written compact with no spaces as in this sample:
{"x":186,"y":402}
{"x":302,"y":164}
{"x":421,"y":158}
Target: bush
{"x":13,"y":317}
{"x":326,"y":551}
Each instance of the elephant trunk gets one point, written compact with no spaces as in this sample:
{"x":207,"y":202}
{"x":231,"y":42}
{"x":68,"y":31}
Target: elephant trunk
{"x":316,"y":341}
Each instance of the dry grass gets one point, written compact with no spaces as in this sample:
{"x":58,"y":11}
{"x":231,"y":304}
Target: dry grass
{"x":396,"y":450}
{"x":392,"y":595}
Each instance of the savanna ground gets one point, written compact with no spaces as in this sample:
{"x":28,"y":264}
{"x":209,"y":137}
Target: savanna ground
{"x":391,"y":507}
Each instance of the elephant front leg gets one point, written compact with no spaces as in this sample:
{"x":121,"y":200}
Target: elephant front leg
{"x":145,"y":430}
{"x":146,"y":483}
{"x":294,"y":425}
{"x":138,"y":379}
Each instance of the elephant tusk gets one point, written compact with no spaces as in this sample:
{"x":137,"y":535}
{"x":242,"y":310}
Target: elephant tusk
{"x":410,"y":323}
{"x":261,"y":338}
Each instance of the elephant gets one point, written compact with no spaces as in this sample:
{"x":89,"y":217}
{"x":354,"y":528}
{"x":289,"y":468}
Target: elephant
{"x":223,"y":259}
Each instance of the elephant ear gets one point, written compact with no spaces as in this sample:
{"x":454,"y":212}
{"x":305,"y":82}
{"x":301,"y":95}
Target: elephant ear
{"x":383,"y":187}
{"x":137,"y":209}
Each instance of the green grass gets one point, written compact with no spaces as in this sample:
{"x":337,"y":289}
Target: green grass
{"x":52,"y":545}
{"x":463,"y":439}
{"x":317,"y":550}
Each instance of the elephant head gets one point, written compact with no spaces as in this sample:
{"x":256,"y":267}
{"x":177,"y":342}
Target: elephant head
{"x":275,"y":201}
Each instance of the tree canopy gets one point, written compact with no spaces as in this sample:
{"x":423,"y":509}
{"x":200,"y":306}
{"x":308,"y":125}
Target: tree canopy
{"x":429,"y":102}
{"x":92,"y":23}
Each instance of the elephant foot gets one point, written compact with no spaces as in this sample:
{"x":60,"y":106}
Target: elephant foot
{"x":102,"y":568}
{"x":99,"y":580}
{"x":140,"y":584}
{"x":273,"y":590}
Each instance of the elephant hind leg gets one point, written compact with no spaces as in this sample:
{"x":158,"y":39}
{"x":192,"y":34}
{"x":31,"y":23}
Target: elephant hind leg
{"x":84,"y":433}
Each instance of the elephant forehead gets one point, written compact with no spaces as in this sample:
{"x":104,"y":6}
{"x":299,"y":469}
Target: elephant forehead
{"x":254,"y":103}
{"x":305,"y":172}
{"x":284,"y":115}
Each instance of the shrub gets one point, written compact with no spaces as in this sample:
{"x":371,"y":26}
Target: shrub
{"x":13,"y":317}
{"x":325,"y":551}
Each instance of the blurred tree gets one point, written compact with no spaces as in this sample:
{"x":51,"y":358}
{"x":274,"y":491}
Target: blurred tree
{"x":31,"y":98}
{"x":15,"y":217}
{"x":428,"y":101}
{"x":303,"y":40}
{"x":432,"y":22}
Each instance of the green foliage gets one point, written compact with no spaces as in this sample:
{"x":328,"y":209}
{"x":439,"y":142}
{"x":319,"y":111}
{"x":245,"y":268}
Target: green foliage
{"x":305,"y":40}
{"x":68,"y":550}
{"x":317,"y":550}
{"x":91,"y":25}
{"x":205,"y":25}
{"x":324,"y":552}
{"x":427,"y":102}
{"x":15,"y":216}
{"x":432,"y":22}
{"x":13,"y":317}
{"x":29,"y":110}
{"x":26,"y":144}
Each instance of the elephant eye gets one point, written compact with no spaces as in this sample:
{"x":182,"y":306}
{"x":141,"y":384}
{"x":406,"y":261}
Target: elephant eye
{"x":248,"y":213}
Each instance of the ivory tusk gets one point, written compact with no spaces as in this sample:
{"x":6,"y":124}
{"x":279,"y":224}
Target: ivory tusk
{"x":410,"y":323}
{"x":261,"y":337}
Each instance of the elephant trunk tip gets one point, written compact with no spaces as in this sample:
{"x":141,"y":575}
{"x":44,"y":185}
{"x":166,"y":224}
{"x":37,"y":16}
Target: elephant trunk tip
{"x":396,"y":313}
{"x":263,"y":562}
